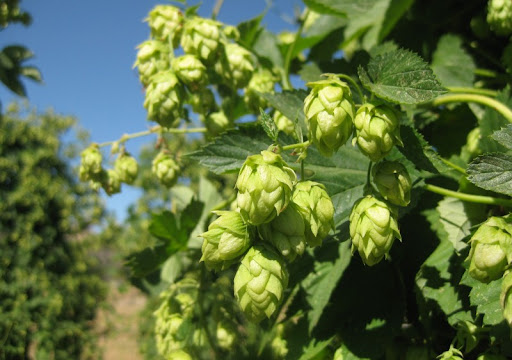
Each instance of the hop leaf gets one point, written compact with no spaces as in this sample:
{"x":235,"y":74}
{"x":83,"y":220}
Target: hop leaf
{"x":393,"y":181}
{"x":165,"y":169}
{"x":373,"y":228}
{"x":329,"y":111}
{"x":377,"y":130}
{"x":264,"y":186}
{"x":152,"y":57}
{"x":166,"y":23}
{"x":260,"y":283}
{"x":201,"y":37}
{"x":127,"y":168}
{"x":164,"y":99}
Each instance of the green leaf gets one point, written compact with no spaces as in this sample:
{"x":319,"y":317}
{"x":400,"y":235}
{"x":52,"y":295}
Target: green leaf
{"x":268,"y":124}
{"x":451,"y":63}
{"x":343,"y":8}
{"x":401,"y":77}
{"x":320,"y":283}
{"x":145,"y":262}
{"x":289,"y":103}
{"x":266,"y":47}
{"x":172,"y":268}
{"x":31,"y":72}
{"x":249,"y":30}
{"x":315,"y":350}
{"x":492,"y":172}
{"x":164,"y":226}
{"x":504,"y":136}
{"x":486,"y":298}
{"x":492,"y":121}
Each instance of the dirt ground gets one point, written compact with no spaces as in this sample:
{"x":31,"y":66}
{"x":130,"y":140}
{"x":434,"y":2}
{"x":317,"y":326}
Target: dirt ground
{"x":117,"y":324}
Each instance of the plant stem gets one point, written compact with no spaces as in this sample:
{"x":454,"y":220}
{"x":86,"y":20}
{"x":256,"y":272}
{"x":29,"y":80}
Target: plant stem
{"x":295,"y":146}
{"x":469,"y":90}
{"x":489,"y":200}
{"x":153,"y":130}
{"x":202,"y":318}
{"x":480,"y":99}
{"x":216,"y":9}
{"x":287,"y":85}
{"x":453,"y":166}
{"x":353,"y":82}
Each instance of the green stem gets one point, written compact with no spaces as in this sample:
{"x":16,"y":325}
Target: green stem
{"x":469,"y":90}
{"x":153,"y":130}
{"x":480,"y":99}
{"x":354,"y":83}
{"x":488,"y":200}
{"x":486,"y":73}
{"x":295,"y":146}
{"x":202,"y":317}
{"x":287,"y":85}
{"x":302,"y":176}
{"x":216,"y":9}
{"x":453,"y":166}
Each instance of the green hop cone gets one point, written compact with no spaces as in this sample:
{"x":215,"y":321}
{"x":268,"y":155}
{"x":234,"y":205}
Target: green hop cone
{"x":191,"y":71}
{"x":286,"y":233}
{"x":315,"y":205}
{"x":226,"y":240}
{"x":127,"y":168}
{"x":279,"y":345}
{"x":393,"y":181}
{"x":165,"y":169}
{"x":284,"y":124}
{"x":178,"y":355}
{"x":329,"y":111}
{"x":231,"y":32}
{"x":499,"y":16}
{"x":201,"y":37}
{"x":152,"y":57}
{"x":166,"y":328}
{"x":90,"y":164}
{"x":260,"y":283}
{"x":202,"y":102}
{"x":111,"y":182}
{"x":226,"y":335}
{"x":377,"y":130}
{"x":164,"y":99}
{"x":217,"y":122}
{"x":261,"y":82}
{"x":238,"y":66}
{"x":166,"y":24}
{"x":264,"y":184}
{"x":491,"y":249}
{"x":373,"y":228}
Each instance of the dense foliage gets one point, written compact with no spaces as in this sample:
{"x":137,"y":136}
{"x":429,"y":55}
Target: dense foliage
{"x":50,"y":288}
{"x":358,"y":188}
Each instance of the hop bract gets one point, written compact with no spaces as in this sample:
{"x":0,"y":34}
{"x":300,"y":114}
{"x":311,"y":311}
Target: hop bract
{"x":283,"y":123}
{"x":165,"y":169}
{"x":152,"y":57}
{"x":90,"y":164}
{"x":315,"y":206}
{"x":373,"y":228}
{"x":164,"y":99}
{"x":260,"y":282}
{"x":127,"y":168}
{"x":240,"y":66}
{"x":393,"y":181}
{"x":202,"y":101}
{"x":190,"y":70}
{"x":377,"y":130}
{"x":166,"y":23}
{"x":226,"y":240}
{"x":491,"y":249}
{"x":201,"y":37}
{"x":286,"y":232}
{"x":499,"y":16}
{"x":264,"y":186}
{"x":261,"y":82}
{"x":329,"y":111}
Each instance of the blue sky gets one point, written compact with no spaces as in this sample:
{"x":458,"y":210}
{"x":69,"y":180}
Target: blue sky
{"x":85,"y":51}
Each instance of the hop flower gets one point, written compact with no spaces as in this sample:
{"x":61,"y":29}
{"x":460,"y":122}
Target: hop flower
{"x":226,"y":240}
{"x":90,"y":164}
{"x":179,"y":355}
{"x":261,"y":82}
{"x":201,"y":37}
{"x":329,"y":111}
{"x":152,"y":57}
{"x":264,"y":186}
{"x":286,"y":232}
{"x":377,"y":130}
{"x":237,"y":67}
{"x":164,"y":97}
{"x":202,"y":102}
{"x":127,"y":168}
{"x":111,"y":182}
{"x":217,"y":122}
{"x":315,"y":206}
{"x":166,"y":23}
{"x":491,"y":249}
{"x":191,"y":71}
{"x":226,"y":335}
{"x":373,"y":228}
{"x":393,"y":181}
{"x":283,"y":123}
{"x":279,"y":345}
{"x":165,"y":169}
{"x":499,"y":16}
{"x":260,"y":282}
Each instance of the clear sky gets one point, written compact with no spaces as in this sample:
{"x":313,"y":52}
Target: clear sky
{"x":85,"y":51}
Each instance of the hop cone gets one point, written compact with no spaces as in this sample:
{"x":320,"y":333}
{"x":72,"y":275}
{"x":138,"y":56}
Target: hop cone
{"x":491,"y":249}
{"x":217,"y":122}
{"x":201,"y":37}
{"x":152,"y":57}
{"x":279,"y":345}
{"x":226,"y":240}
{"x":202,"y":102}
{"x":377,"y":130}
{"x":260,"y":282}
{"x":166,"y":24}
{"x":393,"y":181}
{"x":373,"y":228}
{"x":127,"y":168}
{"x":329,"y":111}
{"x":264,"y":186}
{"x":240,"y":66}
{"x":316,"y":207}
{"x":165,"y":169}
{"x":90,"y":164}
{"x":226,"y":335}
{"x":284,"y":124}
{"x":111,"y":182}
{"x":261,"y":82}
{"x":286,"y":233}
{"x":164,"y":99}
{"x":499,"y":16}
{"x":191,"y":71}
